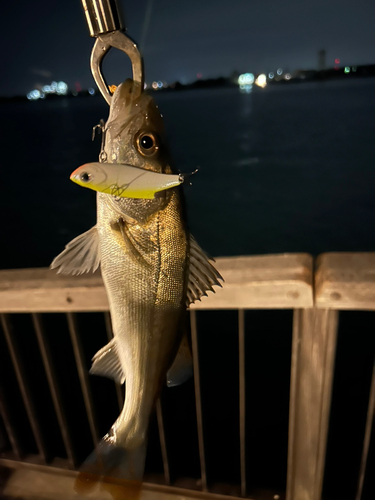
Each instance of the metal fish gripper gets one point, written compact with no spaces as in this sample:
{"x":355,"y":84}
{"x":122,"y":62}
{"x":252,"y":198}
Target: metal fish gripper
{"x":105,"y":24}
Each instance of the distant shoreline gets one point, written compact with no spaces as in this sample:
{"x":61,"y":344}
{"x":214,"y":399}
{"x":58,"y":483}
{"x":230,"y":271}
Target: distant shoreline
{"x":297,"y":77}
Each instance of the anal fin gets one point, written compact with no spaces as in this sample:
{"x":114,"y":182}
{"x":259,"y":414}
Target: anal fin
{"x":107,"y":363}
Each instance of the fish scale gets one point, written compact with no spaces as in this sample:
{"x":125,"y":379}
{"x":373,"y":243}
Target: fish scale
{"x":146,"y":301}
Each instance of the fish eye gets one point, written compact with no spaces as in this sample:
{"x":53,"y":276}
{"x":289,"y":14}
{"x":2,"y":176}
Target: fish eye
{"x":85,"y":177}
{"x":147,"y":144}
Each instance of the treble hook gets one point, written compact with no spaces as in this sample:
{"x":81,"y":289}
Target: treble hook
{"x":100,"y":127}
{"x":105,"y":24}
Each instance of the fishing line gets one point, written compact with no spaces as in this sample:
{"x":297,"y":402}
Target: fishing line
{"x":146,"y":24}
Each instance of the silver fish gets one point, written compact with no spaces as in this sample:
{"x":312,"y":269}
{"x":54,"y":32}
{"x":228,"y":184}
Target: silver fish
{"x":152,"y":270}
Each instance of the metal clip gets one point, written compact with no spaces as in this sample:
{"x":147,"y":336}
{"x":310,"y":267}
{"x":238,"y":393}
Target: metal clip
{"x":104,"y":22}
{"x":101,"y":47}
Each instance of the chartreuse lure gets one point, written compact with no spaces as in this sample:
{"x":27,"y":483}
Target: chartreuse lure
{"x":124,"y":181}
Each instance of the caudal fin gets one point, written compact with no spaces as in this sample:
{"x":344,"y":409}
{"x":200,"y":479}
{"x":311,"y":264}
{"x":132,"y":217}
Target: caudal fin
{"x":110,"y":461}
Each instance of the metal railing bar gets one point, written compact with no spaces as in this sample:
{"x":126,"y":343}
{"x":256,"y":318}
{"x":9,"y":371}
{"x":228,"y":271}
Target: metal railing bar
{"x":367,"y":438}
{"x":9,"y":428}
{"x":198,"y":400}
{"x":25,"y":393}
{"x":163,"y":443}
{"x":119,"y":388}
{"x":54,"y":389}
{"x":242,"y":389}
{"x":83,"y":378}
{"x":296,"y":339}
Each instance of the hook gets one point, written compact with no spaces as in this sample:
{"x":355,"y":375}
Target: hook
{"x":182,"y":177}
{"x":100,"y":127}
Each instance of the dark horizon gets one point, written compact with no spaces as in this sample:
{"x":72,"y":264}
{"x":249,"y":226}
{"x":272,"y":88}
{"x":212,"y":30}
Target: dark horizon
{"x":299,"y":76}
{"x":46,"y":41}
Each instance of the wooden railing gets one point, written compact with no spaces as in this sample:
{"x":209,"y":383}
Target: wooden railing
{"x":340,"y":281}
{"x":267,"y":281}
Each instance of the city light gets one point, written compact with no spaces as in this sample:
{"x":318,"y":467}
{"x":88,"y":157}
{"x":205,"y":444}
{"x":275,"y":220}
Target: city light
{"x":261,"y":81}
{"x":271,"y":75}
{"x":59,"y":88}
{"x":34,"y":95}
{"x":279,"y":71}
{"x":91,"y":91}
{"x":157,"y":85}
{"x":337,"y":61}
{"x":287,"y":76}
{"x":347,"y":69}
{"x":246,"y":79}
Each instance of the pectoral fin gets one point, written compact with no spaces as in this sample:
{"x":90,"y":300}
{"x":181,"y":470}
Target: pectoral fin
{"x":80,"y":256}
{"x":182,"y":367}
{"x":107,"y":363}
{"x":202,"y":274}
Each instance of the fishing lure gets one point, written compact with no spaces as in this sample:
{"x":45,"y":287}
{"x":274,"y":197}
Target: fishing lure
{"x":124,"y":181}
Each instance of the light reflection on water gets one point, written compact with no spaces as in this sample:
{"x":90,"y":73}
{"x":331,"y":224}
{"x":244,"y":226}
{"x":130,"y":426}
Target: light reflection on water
{"x":245,"y":89}
{"x":282,"y":169}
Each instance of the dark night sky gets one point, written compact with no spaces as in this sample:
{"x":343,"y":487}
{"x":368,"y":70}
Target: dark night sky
{"x":48,"y":39}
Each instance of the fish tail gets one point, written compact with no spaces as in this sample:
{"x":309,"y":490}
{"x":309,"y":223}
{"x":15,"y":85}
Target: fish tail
{"x":109,"y":460}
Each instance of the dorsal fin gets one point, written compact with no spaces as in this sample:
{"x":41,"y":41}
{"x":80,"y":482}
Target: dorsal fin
{"x":202,"y":274}
{"x":107,"y":363}
{"x":81,"y":255}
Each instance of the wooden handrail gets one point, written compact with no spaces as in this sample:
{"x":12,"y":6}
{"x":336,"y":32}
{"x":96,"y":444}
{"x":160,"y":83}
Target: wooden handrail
{"x":345,"y":280}
{"x":251,"y":282}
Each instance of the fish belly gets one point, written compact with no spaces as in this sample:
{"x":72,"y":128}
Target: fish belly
{"x":145,"y":283}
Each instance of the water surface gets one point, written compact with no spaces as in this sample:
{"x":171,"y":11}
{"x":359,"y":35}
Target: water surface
{"x":284,"y":169}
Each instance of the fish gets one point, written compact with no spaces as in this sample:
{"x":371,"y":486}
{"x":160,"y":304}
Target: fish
{"x":152,"y":269}
{"x":124,"y":181}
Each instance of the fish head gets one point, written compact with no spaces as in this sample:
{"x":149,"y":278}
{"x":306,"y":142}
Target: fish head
{"x":135,"y":136}
{"x":135,"y":132}
{"x":90,"y":173}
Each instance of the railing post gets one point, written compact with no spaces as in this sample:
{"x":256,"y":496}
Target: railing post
{"x":313,"y":357}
